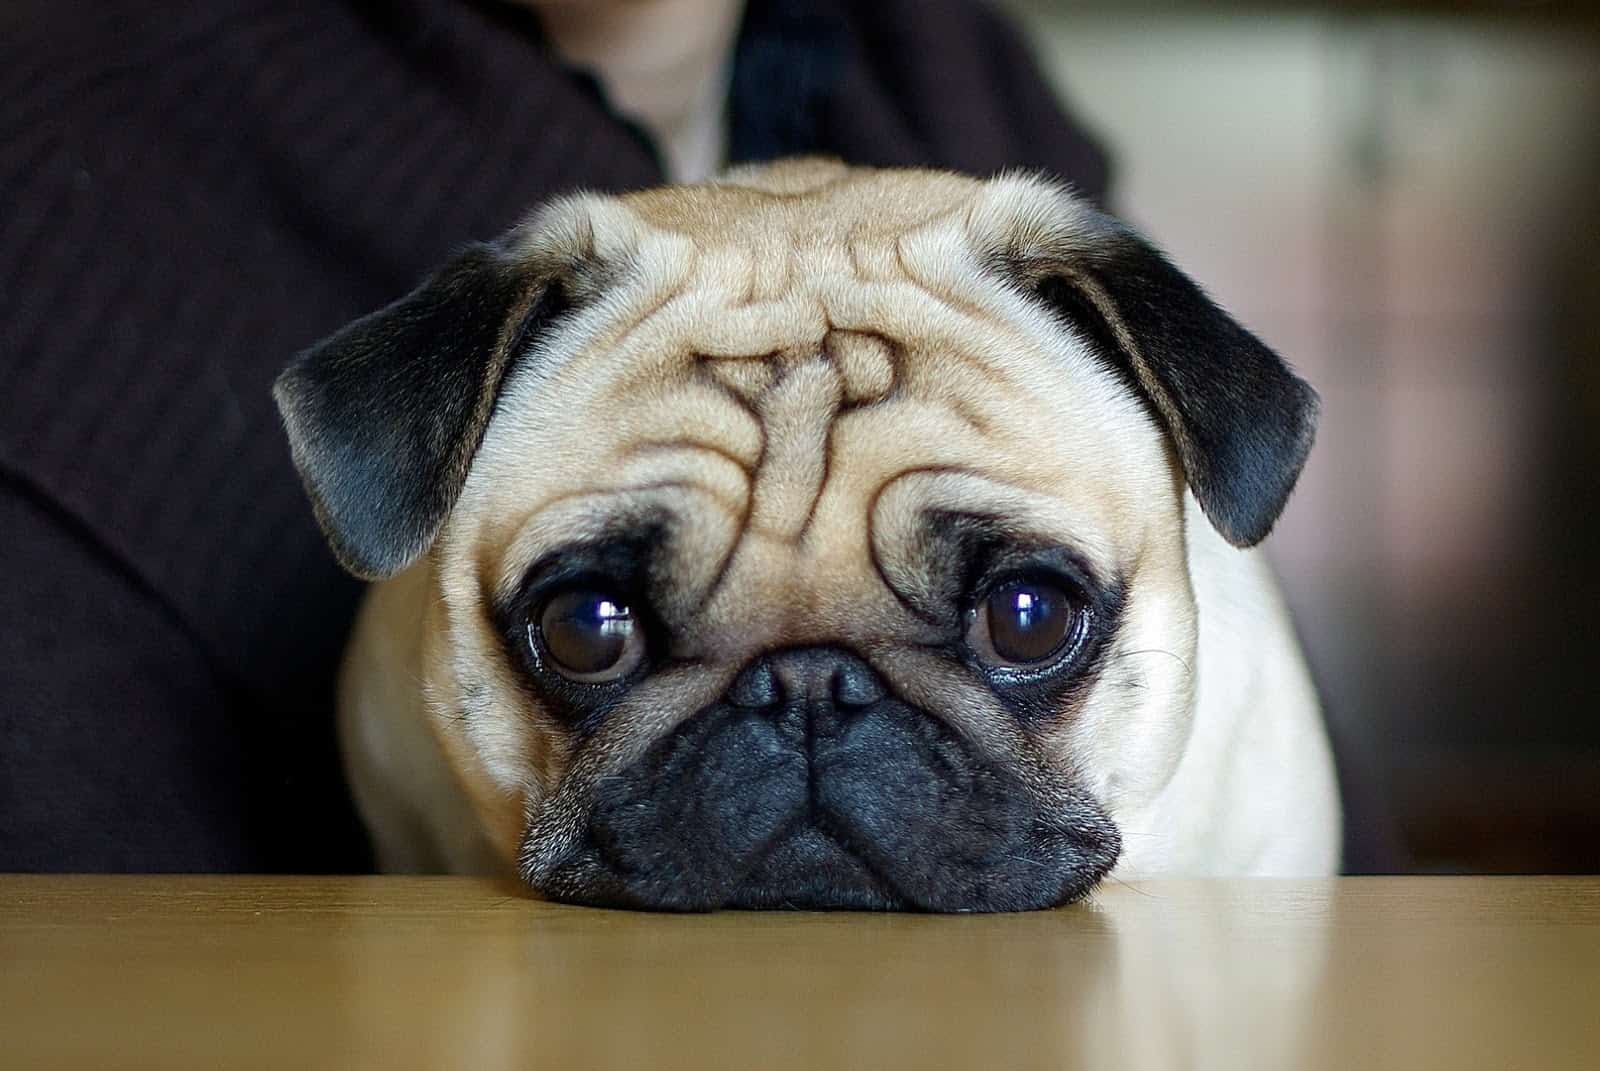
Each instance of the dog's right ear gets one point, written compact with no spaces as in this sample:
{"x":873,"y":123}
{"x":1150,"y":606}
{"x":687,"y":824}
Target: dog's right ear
{"x":385,"y":416}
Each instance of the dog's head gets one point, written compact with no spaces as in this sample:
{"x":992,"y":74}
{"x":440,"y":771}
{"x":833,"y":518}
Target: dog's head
{"x":791,"y":537}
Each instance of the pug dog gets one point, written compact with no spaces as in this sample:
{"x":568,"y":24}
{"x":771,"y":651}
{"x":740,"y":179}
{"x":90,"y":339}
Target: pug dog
{"x":817,"y":537}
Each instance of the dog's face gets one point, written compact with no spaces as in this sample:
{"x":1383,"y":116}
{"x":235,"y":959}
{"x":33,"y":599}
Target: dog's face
{"x":800,"y":539}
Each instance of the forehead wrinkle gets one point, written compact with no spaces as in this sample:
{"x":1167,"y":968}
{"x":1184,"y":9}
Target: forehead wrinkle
{"x":793,"y":322}
{"x":1013,"y":377}
{"x":797,"y":412}
{"x":503,"y":566}
{"x":772,"y":265}
{"x":946,"y":297}
{"x":695,"y":411}
{"x":959,"y":490}
{"x":917,"y":319}
{"x":650,"y":448}
{"x":619,"y":333}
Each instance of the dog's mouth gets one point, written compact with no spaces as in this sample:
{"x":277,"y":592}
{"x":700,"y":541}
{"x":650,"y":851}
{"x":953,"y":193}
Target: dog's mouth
{"x":872,"y":808}
{"x":811,"y":868}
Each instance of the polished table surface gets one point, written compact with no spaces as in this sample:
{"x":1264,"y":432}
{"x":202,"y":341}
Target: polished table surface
{"x":243,"y":972}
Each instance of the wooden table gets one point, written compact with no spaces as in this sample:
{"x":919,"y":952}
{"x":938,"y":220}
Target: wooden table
{"x":445,"y":972}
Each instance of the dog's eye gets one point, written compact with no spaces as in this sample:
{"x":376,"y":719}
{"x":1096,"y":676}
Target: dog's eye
{"x":1024,"y":623}
{"x":589,"y":636}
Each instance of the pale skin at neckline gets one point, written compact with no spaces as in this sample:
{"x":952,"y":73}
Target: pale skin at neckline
{"x":663,"y":63}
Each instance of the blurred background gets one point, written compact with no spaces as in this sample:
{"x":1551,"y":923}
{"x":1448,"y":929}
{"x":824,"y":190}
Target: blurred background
{"x":1405,"y":202}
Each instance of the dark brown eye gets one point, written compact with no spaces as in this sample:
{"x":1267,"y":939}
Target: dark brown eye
{"x":589,"y":636}
{"x":1023,"y":623}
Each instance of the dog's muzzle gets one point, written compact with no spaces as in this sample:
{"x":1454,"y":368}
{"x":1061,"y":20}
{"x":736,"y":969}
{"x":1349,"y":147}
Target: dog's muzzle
{"x":810,"y":785}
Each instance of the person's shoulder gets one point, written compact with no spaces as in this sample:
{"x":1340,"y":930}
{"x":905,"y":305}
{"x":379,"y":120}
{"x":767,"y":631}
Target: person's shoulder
{"x":61,"y":57}
{"x":44,"y":40}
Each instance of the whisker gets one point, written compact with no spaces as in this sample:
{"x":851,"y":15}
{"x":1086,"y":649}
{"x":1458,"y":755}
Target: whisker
{"x":1132,"y":887}
{"x":1156,"y":650}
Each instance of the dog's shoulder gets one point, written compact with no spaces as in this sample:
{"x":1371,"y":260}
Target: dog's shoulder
{"x":1259,"y":743}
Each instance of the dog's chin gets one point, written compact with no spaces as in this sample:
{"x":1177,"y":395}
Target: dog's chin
{"x":884,"y":809}
{"x":809,"y":869}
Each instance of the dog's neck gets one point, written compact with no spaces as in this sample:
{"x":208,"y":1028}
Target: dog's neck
{"x":663,"y":63}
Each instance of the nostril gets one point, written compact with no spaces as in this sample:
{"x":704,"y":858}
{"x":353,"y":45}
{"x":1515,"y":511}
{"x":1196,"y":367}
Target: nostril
{"x":855,"y":685}
{"x":806,"y":678}
{"x":756,"y":687}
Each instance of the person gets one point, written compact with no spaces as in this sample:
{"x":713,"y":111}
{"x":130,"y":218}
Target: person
{"x":194,"y":194}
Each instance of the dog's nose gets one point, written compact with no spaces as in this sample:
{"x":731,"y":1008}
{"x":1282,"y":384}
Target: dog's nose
{"x":807,"y":676}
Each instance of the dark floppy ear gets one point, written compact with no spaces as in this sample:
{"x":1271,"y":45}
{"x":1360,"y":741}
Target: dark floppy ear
{"x":384,"y":417}
{"x":1242,"y":422}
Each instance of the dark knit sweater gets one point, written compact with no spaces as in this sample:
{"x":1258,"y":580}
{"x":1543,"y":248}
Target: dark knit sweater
{"x":190,"y":195}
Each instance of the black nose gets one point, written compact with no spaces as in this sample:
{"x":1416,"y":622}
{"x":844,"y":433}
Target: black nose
{"x":807,"y":676}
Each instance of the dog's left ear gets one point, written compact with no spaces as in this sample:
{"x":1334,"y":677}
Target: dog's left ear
{"x":385,"y":416}
{"x":1241,"y":421}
